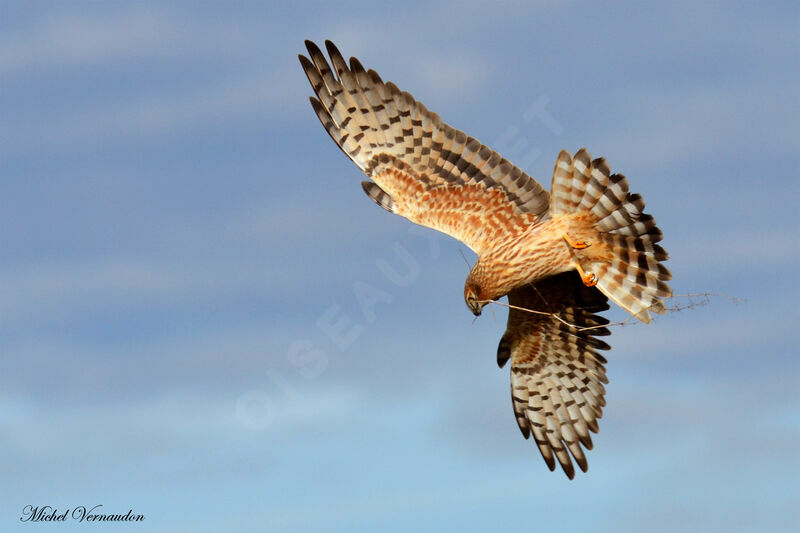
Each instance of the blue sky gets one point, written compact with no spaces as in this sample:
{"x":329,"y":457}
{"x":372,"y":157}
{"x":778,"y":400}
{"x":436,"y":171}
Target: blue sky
{"x":182,"y":252}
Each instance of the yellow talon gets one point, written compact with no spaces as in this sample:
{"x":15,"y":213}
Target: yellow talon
{"x":578,"y":245}
{"x":590,"y":279}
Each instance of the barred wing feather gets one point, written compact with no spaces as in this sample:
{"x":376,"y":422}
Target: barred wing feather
{"x":557,"y":374}
{"x":420,"y":167}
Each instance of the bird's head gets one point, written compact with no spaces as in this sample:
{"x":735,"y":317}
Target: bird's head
{"x":472,"y":296}
{"x":476,"y":290}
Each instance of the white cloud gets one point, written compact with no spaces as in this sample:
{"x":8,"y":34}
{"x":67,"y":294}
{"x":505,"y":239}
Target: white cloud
{"x":430,"y":74}
{"x":77,"y":40}
{"x":116,"y":38}
{"x":153,"y":428}
{"x":250,"y":256}
{"x":260,"y":96}
{"x":754,"y":249}
{"x":660,"y":125}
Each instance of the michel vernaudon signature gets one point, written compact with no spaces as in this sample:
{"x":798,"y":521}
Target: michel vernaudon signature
{"x":45,"y":513}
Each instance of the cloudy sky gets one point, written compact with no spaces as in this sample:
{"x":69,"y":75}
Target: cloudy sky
{"x":182,"y":251}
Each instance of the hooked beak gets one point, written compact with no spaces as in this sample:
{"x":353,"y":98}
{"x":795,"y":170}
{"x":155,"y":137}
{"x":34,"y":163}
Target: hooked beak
{"x":476,"y":308}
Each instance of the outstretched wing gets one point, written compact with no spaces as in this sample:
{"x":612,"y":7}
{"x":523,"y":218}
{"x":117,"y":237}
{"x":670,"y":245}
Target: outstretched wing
{"x":557,"y":374}
{"x":420,"y":167}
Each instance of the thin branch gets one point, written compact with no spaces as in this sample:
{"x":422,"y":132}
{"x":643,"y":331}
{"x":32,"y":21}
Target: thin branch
{"x":695,"y":300}
{"x":555,"y":316}
{"x":701,"y":299}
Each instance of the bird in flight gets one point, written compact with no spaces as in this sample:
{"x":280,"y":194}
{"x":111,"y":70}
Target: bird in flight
{"x":558,"y":257}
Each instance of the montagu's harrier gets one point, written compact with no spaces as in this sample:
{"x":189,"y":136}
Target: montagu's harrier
{"x":558,"y":257}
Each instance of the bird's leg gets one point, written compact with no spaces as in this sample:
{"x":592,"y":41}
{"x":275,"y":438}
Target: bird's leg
{"x":590,"y":280}
{"x":578,"y":245}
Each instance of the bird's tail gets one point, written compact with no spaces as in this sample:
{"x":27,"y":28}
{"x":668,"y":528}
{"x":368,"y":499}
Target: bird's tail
{"x":626,"y":261}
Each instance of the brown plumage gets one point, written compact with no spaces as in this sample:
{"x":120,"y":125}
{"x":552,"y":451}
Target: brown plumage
{"x":529,"y":244}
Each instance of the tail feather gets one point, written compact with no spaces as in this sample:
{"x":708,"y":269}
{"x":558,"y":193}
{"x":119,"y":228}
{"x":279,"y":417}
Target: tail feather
{"x":642,"y":267}
{"x":614,"y":195}
{"x":647,"y":262}
{"x":562,"y":200}
{"x":643,"y":244}
{"x":627,"y":214}
{"x":629,"y":271}
{"x":596,"y":175}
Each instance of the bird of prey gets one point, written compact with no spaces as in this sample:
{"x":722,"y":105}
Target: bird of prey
{"x":558,"y":257}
